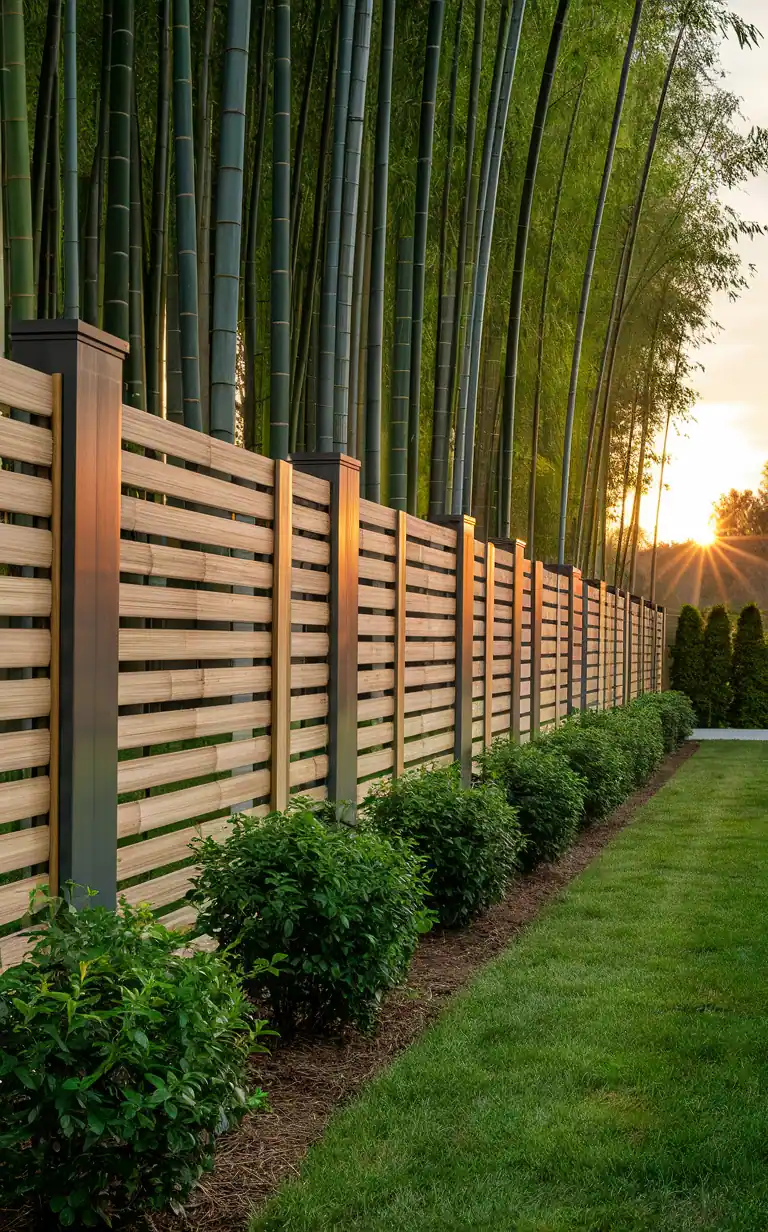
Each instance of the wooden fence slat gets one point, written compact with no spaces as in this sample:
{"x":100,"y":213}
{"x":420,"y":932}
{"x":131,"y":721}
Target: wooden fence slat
{"x":25,"y":545}
{"x":149,"y":517}
{"x":21,"y":596}
{"x":21,"y":750}
{"x":14,"y":897}
{"x":22,"y":848}
{"x":24,"y":442}
{"x":25,"y":389}
{"x":203,"y":450}
{"x":156,"y":560}
{"x":164,"y":726}
{"x":155,"y":811}
{"x":173,"y":603}
{"x":25,"y":494}
{"x":139,"y":773}
{"x":165,"y":644}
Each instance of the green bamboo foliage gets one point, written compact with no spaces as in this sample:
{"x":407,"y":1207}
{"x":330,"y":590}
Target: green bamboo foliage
{"x":17,"y":169}
{"x":186,"y":221}
{"x":348,"y":231}
{"x":118,"y":228}
{"x":487,"y":218}
{"x":327,"y":358}
{"x":420,"y":227}
{"x":518,"y":273}
{"x":401,"y":364}
{"x":71,"y":239}
{"x":378,"y":256}
{"x":229,"y":215}
{"x":280,"y":385}
{"x":586,"y":286}
{"x":93,"y":232}
{"x":540,"y":334}
{"x":155,"y":290}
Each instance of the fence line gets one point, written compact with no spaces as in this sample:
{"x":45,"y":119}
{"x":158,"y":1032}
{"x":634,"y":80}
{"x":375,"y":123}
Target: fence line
{"x":231,"y":630}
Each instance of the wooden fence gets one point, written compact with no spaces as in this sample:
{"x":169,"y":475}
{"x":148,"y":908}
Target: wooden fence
{"x":188,"y":630}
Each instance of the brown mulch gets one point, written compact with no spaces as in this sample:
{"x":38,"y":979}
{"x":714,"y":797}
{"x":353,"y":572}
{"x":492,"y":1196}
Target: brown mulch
{"x":308,"y":1080}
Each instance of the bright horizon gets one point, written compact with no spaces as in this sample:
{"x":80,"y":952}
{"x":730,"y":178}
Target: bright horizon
{"x":725,"y":444}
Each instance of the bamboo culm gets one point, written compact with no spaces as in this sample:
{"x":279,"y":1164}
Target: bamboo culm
{"x":348,"y":231}
{"x":441,"y":408}
{"x":378,"y":256}
{"x":229,"y":222}
{"x":280,"y":384}
{"x":435,"y":20}
{"x":487,"y":216}
{"x":518,"y":273}
{"x":71,"y":226}
{"x":540,"y":334}
{"x":330,"y":284}
{"x":17,"y":169}
{"x":401,"y":363}
{"x":587,"y":279}
{"x":155,"y":291}
{"x":118,"y":229}
{"x":186,"y":220}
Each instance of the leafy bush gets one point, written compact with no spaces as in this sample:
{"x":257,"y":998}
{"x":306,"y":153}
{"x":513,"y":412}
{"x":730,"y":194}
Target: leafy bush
{"x":342,"y":904}
{"x":119,"y":1063}
{"x":637,"y":731}
{"x":593,"y":754}
{"x":545,"y":791}
{"x":687,"y":671}
{"x":469,"y":838}
{"x":677,"y":715}
{"x":716,"y":683}
{"x":749,"y":671}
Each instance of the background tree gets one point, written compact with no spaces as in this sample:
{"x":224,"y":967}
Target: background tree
{"x":687,"y":671}
{"x":743,"y":512}
{"x":750,"y":671}
{"x":716,"y":690}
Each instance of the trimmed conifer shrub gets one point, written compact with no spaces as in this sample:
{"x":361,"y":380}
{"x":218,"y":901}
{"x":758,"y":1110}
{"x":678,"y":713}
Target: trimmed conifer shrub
{"x":749,"y":671}
{"x":686,"y":673}
{"x":717,"y":693}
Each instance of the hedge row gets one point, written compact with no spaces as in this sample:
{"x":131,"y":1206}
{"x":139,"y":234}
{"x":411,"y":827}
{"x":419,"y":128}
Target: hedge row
{"x":120,"y":1061}
{"x":724,"y":673}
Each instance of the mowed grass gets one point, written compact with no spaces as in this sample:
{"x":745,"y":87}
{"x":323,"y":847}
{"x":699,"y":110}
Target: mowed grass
{"x":609,"y":1072}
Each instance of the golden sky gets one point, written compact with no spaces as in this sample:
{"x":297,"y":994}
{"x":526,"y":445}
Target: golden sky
{"x":726,"y":444}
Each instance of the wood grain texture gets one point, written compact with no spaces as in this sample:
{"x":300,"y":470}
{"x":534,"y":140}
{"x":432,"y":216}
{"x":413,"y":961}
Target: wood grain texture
{"x":25,"y":494}
{"x":14,"y":898}
{"x":136,"y":688}
{"x":152,"y":476}
{"x":180,"y":442}
{"x":24,"y":388}
{"x":149,"y":517}
{"x":24,"y":442}
{"x":140,"y":816}
{"x":22,"y":596}
{"x":165,"y":644}
{"x":21,"y":750}
{"x":140,"y":773}
{"x":155,"y":560}
{"x":24,"y":798}
{"x":190,"y":724}
{"x":22,"y":848}
{"x":25,"y":545}
{"x":173,"y":603}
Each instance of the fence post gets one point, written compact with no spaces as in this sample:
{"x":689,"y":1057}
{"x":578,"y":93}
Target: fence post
{"x":343,"y":475}
{"x":91,"y":366}
{"x":465,"y":601}
{"x":490,"y":603}
{"x":584,"y":639}
{"x":282,"y":559}
{"x":398,"y":741}
{"x":627,"y":659}
{"x":537,"y":586}
{"x":601,"y":646}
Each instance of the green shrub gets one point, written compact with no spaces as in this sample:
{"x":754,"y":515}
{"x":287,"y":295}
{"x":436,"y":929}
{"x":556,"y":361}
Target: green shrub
{"x":749,"y":671}
{"x":717,"y":693}
{"x":677,"y":715}
{"x":687,"y":670}
{"x":343,"y":906}
{"x":637,"y":730}
{"x":593,"y":754}
{"x":119,"y":1063}
{"x":469,"y":838}
{"x":545,"y":791}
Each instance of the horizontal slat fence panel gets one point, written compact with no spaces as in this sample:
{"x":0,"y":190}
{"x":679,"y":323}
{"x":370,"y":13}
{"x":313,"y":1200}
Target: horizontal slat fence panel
{"x":28,"y":541}
{"x":196,"y":561}
{"x":233,"y":641}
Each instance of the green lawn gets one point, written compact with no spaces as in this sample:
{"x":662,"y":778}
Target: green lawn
{"x":609,"y":1072}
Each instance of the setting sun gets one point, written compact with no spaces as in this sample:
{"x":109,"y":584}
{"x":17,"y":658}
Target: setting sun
{"x":706,"y":537}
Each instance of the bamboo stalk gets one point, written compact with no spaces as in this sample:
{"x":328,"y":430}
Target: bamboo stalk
{"x":280,"y":382}
{"x":398,"y":426}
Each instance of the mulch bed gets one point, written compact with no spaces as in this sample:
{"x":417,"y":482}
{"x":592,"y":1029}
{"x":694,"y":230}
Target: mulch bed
{"x":309,"y":1079}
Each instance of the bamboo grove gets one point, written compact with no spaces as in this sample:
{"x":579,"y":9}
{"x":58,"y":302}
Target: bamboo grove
{"x":471,"y":242}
